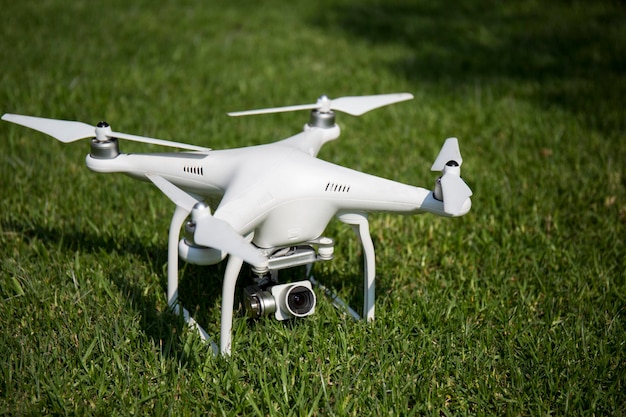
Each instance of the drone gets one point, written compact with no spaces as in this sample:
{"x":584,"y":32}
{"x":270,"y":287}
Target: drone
{"x":267,"y":205}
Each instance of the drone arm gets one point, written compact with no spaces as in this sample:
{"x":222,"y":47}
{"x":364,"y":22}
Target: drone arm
{"x":311,"y":139}
{"x":360,"y":225}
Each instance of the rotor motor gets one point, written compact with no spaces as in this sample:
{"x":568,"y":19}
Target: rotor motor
{"x":102,"y":146}
{"x":324,"y":116}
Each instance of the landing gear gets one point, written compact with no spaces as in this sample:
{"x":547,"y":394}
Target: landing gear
{"x":295,"y":299}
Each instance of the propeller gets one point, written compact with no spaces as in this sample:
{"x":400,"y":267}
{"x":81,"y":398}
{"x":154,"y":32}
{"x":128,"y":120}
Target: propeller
{"x":69,"y":131}
{"x":210,"y":231}
{"x":450,"y":188}
{"x":354,"y":105}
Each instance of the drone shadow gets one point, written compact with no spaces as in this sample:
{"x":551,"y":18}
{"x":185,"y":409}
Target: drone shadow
{"x":158,"y":322}
{"x":199,"y":286}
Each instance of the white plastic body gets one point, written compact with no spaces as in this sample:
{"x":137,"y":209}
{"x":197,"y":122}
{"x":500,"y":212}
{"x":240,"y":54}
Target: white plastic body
{"x":280,"y":192}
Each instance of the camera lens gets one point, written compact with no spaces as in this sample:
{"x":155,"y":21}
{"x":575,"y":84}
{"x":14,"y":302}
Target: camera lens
{"x":300,"y":300}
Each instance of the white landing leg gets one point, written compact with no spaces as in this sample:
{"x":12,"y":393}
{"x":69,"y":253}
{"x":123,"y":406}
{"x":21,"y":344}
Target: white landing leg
{"x":178,"y":219}
{"x":360,"y":225}
{"x":172,"y":275}
{"x":228,"y":302}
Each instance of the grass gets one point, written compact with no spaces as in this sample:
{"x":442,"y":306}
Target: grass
{"x":515,"y":309}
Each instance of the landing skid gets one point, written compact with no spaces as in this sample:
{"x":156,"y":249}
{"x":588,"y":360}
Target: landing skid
{"x":297,"y":257}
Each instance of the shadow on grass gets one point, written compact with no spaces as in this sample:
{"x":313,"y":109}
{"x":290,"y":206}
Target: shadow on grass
{"x":566,"y":54}
{"x":160,"y":324}
{"x":200,"y":286}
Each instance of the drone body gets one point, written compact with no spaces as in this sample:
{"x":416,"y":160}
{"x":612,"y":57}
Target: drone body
{"x":275,"y":201}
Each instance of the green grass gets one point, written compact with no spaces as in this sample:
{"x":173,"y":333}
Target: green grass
{"x":515,"y":309}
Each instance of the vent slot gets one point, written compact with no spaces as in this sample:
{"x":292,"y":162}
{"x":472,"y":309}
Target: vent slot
{"x":193,"y":169}
{"x":334,"y":187}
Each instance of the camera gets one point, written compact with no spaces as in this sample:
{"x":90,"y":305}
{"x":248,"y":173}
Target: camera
{"x":295,"y":299}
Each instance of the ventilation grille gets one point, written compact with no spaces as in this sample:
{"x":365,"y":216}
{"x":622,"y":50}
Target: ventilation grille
{"x":334,"y":187}
{"x":197,"y":170}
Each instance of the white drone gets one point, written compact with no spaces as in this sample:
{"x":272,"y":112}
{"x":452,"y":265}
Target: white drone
{"x":276,"y":201}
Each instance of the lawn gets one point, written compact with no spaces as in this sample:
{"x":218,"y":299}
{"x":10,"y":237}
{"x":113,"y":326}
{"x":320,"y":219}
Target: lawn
{"x":518,"y":308}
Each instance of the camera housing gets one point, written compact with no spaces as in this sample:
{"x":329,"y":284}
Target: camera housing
{"x":286,"y":301}
{"x":294,"y":300}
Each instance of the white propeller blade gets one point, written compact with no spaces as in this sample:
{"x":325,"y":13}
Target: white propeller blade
{"x":62,"y":130}
{"x":455,"y":191}
{"x":211,"y":232}
{"x":69,"y":131}
{"x":354,"y":105}
{"x":160,"y":142}
{"x":274,"y":110}
{"x":449,"y":152}
{"x":359,"y":105}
